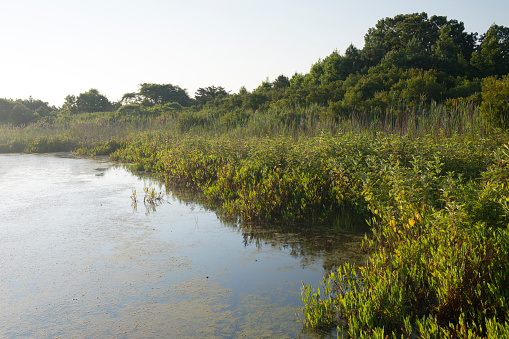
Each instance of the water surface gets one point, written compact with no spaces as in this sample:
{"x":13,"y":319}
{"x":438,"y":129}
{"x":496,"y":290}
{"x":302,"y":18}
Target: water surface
{"x":78,"y":260}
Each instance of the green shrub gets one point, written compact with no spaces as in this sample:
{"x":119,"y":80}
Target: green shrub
{"x":495,"y":96}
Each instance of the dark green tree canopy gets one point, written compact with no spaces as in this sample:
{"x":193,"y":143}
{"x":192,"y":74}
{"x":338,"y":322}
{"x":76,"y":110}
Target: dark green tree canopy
{"x":92,"y":101}
{"x":492,"y":56}
{"x":87,"y":102}
{"x":156,"y":94}
{"x":15,"y":113}
{"x":70,"y":104}
{"x":130,"y":98}
{"x":38,"y":106}
{"x":395,"y":34}
{"x":336,"y":67}
{"x":281,"y":82}
{"x":153,"y":94}
{"x":203,"y":95}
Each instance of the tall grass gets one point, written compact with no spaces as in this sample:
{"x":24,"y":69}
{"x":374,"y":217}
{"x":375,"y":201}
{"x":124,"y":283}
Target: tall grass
{"x":89,"y":130}
{"x":72,"y":134}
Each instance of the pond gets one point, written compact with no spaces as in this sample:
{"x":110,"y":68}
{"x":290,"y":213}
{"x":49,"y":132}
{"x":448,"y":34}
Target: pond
{"x":80,"y":260}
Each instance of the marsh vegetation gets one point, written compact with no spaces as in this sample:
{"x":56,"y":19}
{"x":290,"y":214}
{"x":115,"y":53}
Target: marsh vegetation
{"x":406,"y":137}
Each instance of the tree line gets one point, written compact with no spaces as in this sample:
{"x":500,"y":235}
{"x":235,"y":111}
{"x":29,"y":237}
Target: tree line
{"x":406,"y":60}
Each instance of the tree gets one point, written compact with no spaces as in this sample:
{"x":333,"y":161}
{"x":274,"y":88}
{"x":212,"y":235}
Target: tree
{"x":5,"y":110}
{"x":420,"y":85}
{"x":242,"y":90}
{"x":492,"y":55}
{"x":447,"y":54}
{"x":336,"y":67}
{"x":412,"y":56}
{"x":152,"y":94}
{"x":87,"y":102}
{"x":15,"y":113}
{"x":281,"y":82}
{"x":264,"y":88}
{"x":38,"y":106}
{"x":203,"y":95}
{"x":92,"y":101}
{"x":395,"y":34}
{"x":253,"y":100}
{"x":130,"y":98}
{"x":21,"y":114}
{"x":70,"y":104}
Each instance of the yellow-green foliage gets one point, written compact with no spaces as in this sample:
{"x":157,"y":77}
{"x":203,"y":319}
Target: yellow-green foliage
{"x":495,"y":96}
{"x":438,"y":269}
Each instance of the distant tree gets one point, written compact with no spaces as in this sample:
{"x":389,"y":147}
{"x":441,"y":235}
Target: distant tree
{"x":281,"y":82}
{"x":92,"y":101}
{"x":5,"y":110}
{"x":152,"y":94}
{"x":395,"y":34}
{"x":21,"y":114}
{"x":492,"y":55}
{"x":253,"y":100}
{"x":38,"y":106}
{"x":336,"y":67}
{"x":420,"y":85}
{"x":297,"y":80}
{"x":391,"y":34}
{"x":203,"y":95}
{"x":15,"y":113}
{"x":130,"y":98}
{"x":242,"y":90}
{"x":70,"y":104}
{"x":265,"y":87}
{"x":447,"y":55}
{"x":87,"y":102}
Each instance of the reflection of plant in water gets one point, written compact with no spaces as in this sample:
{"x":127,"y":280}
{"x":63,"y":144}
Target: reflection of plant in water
{"x":151,"y":197}
{"x":150,"y":200}
{"x":308,"y":243}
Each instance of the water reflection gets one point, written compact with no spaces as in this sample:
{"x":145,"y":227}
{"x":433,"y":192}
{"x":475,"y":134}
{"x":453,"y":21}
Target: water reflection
{"x":309,"y":243}
{"x":150,"y":203}
{"x":79,"y":260}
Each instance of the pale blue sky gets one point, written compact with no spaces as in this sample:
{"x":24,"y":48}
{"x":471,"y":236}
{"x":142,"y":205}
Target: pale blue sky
{"x":52,"y":48}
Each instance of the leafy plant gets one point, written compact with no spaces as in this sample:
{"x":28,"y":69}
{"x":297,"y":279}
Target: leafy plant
{"x":151,"y":196}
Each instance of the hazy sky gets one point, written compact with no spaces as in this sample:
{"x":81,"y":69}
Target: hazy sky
{"x":52,"y":48}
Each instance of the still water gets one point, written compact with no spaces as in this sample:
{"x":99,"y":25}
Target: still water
{"x":79,"y":260}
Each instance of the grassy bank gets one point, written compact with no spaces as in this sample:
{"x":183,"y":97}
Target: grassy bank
{"x":432,"y":184}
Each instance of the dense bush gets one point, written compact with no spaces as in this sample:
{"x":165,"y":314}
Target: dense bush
{"x":495,"y":96}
